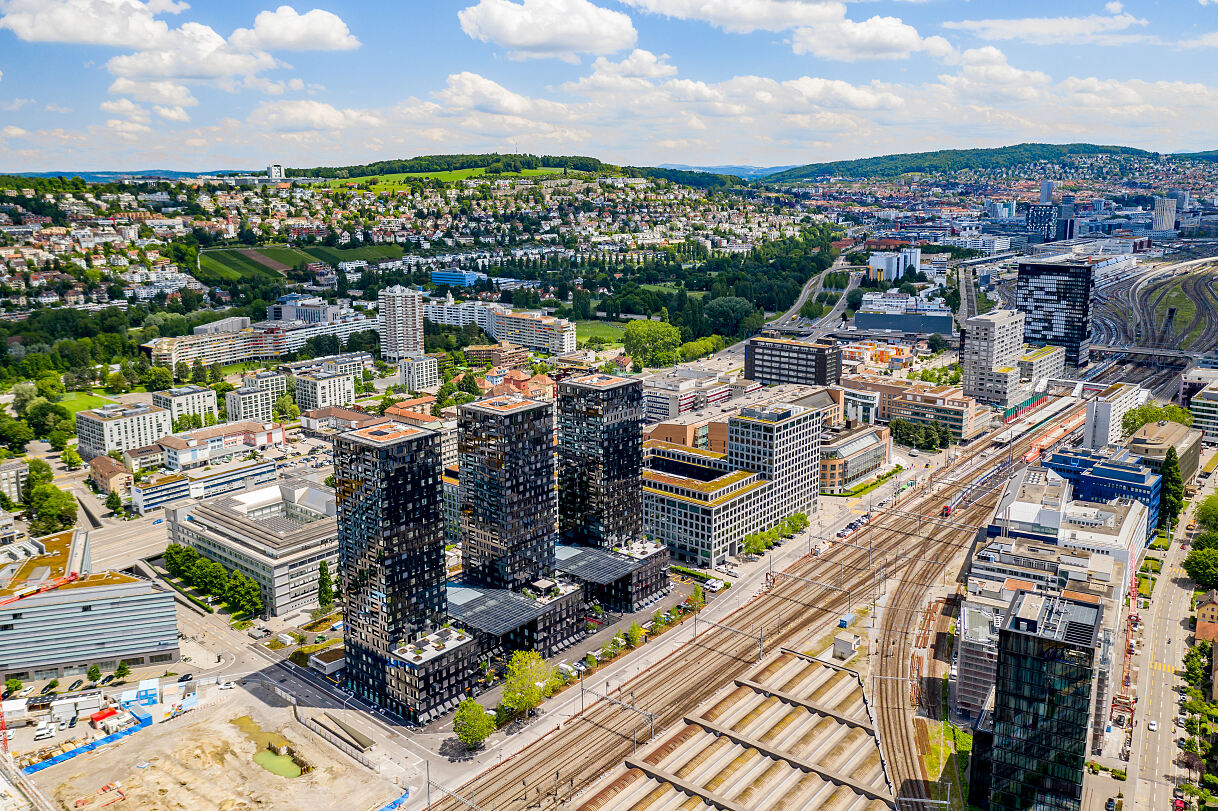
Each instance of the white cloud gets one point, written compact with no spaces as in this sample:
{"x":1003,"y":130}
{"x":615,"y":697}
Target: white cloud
{"x":1113,"y":7}
{"x":163,"y":92}
{"x":1094,"y":29}
{"x":1209,"y":40}
{"x":126,"y":108}
{"x":57,"y":108}
{"x":301,"y":116}
{"x":13,"y":132}
{"x":171,"y":113}
{"x":121,"y":23}
{"x":561,"y":29}
{"x":985,"y":72}
{"x":194,"y":52}
{"x":15,"y":104}
{"x":745,"y":16}
{"x":284,"y":29}
{"x":874,"y":38}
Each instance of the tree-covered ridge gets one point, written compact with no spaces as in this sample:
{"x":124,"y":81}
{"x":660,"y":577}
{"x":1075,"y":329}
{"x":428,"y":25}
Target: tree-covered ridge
{"x":685,"y":177}
{"x":950,"y":160}
{"x":449,"y":163}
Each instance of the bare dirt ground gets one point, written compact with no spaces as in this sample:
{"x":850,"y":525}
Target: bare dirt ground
{"x":252,"y":253}
{"x":202,"y":762}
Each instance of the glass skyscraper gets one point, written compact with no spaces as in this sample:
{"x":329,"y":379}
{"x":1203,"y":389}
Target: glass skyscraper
{"x":600,"y":460}
{"x":1045,"y":683}
{"x":1056,"y":297}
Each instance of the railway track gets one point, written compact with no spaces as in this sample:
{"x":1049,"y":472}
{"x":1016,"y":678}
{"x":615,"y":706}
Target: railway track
{"x":555,"y":769}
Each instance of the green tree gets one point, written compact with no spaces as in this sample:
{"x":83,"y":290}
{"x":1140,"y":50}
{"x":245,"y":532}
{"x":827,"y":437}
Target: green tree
{"x":114,"y":502}
{"x":15,"y":434}
{"x":58,"y":440}
{"x":729,"y":315}
{"x":122,"y":671}
{"x":635,"y":634}
{"x":936,"y":342}
{"x":1135,"y":418}
{"x":54,"y":510}
{"x":94,"y":675}
{"x":1171,"y":497}
{"x":325,"y":589}
{"x":1206,"y":540}
{"x":71,"y":459}
{"x":525,"y":684}
{"x":23,"y":394}
{"x":652,"y":343}
{"x":1207,"y":513}
{"x":469,"y":384}
{"x":697,"y":599}
{"x":159,"y":378}
{"x":472,"y":724}
{"x":116,"y":383}
{"x":12,"y":686}
{"x":1202,"y":567}
{"x":243,"y":594}
{"x":38,"y":472}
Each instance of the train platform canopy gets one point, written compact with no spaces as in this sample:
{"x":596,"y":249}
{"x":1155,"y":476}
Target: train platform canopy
{"x":797,"y":732}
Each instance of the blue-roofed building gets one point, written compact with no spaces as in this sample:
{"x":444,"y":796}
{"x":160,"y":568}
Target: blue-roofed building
{"x":1098,"y":475}
{"x":456,"y":278}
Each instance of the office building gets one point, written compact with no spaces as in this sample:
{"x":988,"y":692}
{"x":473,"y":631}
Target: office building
{"x":274,"y":382}
{"x":890,"y":266}
{"x":1164,"y":218}
{"x":156,"y":492}
{"x":1204,"y":408}
{"x":222,"y":442}
{"x":508,"y":502}
{"x":275,"y":172}
{"x":781,"y":360}
{"x":883,"y":399}
{"x":977,"y":653}
{"x":1150,"y":443}
{"x":600,"y":459}
{"x":991,"y":346}
{"x":1046,"y":191}
{"x":183,"y":401}
{"x":323,"y":390}
{"x":391,"y":555}
{"x":901,"y":312}
{"x":782,"y":443}
{"x":276,"y":534}
{"x":1105,"y":412}
{"x":1055,"y":295}
{"x":116,"y":427}
{"x":851,"y":455}
{"x":60,"y":616}
{"x":13,"y":474}
{"x":352,"y":364}
{"x":400,"y":319}
{"x":1045,"y":686}
{"x":308,"y":309}
{"x":453,"y":277}
{"x":1109,"y":473}
{"x":249,"y":403}
{"x":1038,"y":364}
{"x":419,"y":373}
{"x":706,"y":428}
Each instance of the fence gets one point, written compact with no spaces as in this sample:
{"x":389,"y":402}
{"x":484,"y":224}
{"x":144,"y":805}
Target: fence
{"x":340,"y":744}
{"x":34,"y":768}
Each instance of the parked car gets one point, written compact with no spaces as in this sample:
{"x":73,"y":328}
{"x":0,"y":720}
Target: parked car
{"x":107,"y":680}
{"x":1110,"y":805}
{"x":48,"y":689}
{"x":224,"y":685}
{"x":76,"y":685}
{"x":72,"y":722}
{"x":185,"y":677}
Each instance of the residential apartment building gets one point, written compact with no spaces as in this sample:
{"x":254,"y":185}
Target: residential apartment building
{"x":274,"y":382}
{"x":400,"y":318}
{"x":600,"y":459}
{"x":500,"y":354}
{"x":351,"y":364}
{"x":276,"y":534}
{"x":391,"y":556}
{"x":1055,"y":294}
{"x":532,"y":330}
{"x":852,"y":455}
{"x":1105,"y":412}
{"x":419,"y":373}
{"x":13,"y":474}
{"x":1042,"y":363}
{"x":505,"y":449}
{"x":230,"y":341}
{"x":782,"y":360}
{"x":323,"y":390}
{"x":250,"y":403}
{"x":81,"y":617}
{"x":1164,"y":218}
{"x":916,"y":402}
{"x":991,"y":345}
{"x":116,"y":427}
{"x":185,"y":400}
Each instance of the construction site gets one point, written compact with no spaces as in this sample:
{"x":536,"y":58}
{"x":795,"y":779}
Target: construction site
{"x":245,"y":751}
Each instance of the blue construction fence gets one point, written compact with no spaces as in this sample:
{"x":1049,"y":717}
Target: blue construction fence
{"x":398,"y":803}
{"x":141,"y":723}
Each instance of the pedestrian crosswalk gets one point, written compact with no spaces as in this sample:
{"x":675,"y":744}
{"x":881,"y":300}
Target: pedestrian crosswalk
{"x":1163,"y":667}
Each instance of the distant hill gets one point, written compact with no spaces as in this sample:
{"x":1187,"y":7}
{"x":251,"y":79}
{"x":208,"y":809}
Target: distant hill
{"x":1209,"y":156}
{"x":491,"y":161}
{"x":111,"y":177}
{"x":948,"y":160}
{"x":745,"y":172}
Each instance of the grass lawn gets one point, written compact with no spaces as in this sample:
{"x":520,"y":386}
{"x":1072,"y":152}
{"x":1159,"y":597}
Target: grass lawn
{"x":1185,"y":308}
{"x":608,"y":330}
{"x":668,"y":288}
{"x":238,"y":368}
{"x":322,"y":253}
{"x":75,"y":401}
{"x":392,"y":182}
{"x":288,"y":256}
{"x":229,"y":265}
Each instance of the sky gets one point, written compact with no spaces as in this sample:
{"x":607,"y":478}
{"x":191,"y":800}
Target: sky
{"x":221,"y":84}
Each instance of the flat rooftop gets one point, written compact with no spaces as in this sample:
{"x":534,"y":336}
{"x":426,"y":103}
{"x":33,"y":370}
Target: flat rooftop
{"x":27,"y":566}
{"x":386,"y":433}
{"x":593,"y":565}
{"x":598,"y":381}
{"x":505,"y":404}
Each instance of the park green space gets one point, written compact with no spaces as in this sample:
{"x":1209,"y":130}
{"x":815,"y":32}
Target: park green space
{"x":391,"y":182}
{"x":669,"y":289}
{"x":75,"y":401}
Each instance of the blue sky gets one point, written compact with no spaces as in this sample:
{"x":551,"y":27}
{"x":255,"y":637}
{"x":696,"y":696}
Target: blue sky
{"x":129,"y":84}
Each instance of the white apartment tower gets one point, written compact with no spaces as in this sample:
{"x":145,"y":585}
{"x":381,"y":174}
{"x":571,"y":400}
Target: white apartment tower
{"x":116,"y":427}
{"x":401,"y":323}
{"x":989,"y":357}
{"x":324,"y":389}
{"x":275,"y":172}
{"x":185,"y":400}
{"x":1165,"y":214}
{"x":250,"y":404}
{"x":1105,"y":412}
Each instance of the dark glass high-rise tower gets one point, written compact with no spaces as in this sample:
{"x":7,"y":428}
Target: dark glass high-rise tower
{"x":507,"y":499}
{"x":600,"y":460}
{"x":1044,"y":690}
{"x":391,"y":552}
{"x":1055,"y":295}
